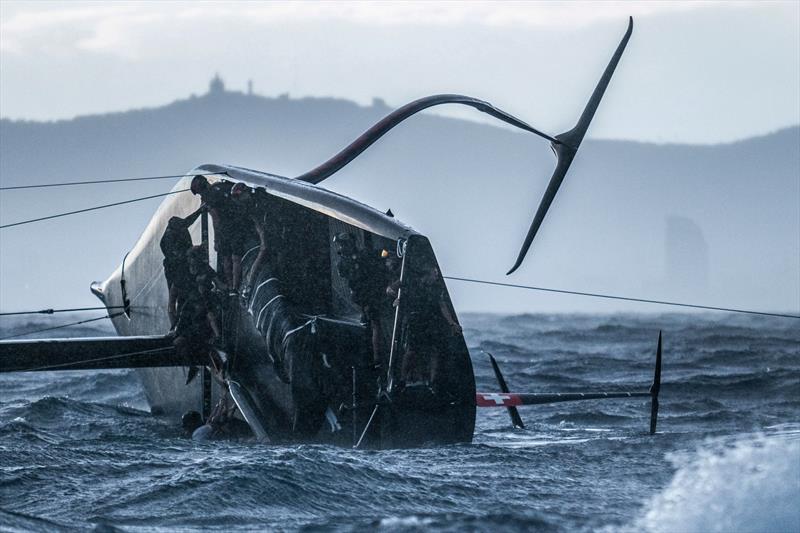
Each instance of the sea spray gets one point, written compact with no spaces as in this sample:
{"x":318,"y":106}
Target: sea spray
{"x":750,"y":485}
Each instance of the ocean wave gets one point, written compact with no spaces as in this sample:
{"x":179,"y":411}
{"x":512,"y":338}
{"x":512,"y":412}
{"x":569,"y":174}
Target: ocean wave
{"x":730,"y":382}
{"x":462,"y":522}
{"x":21,"y":429}
{"x":15,"y":521}
{"x":588,"y":418}
{"x":747,"y":336}
{"x":71,"y":451}
{"x":752,"y":484}
{"x":50,"y":408}
{"x":56,"y":419}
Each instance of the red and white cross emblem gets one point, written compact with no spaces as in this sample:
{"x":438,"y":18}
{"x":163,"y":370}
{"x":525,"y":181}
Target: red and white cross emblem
{"x":496,"y":399}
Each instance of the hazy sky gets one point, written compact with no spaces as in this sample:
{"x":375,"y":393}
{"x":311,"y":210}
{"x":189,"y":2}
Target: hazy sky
{"x":694,"y":72}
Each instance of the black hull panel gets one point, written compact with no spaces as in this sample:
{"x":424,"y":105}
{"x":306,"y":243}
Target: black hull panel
{"x":307,"y":367}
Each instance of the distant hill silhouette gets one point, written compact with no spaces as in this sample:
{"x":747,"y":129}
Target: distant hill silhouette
{"x":471,"y":187}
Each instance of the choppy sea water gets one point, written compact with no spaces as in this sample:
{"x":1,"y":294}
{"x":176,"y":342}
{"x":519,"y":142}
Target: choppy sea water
{"x":79,"y":450}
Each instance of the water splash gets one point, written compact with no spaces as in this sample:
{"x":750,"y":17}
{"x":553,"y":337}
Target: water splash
{"x":752,"y":484}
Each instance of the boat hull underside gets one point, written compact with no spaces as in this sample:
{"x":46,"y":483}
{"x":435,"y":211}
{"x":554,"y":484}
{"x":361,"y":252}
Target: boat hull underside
{"x":348,"y":366}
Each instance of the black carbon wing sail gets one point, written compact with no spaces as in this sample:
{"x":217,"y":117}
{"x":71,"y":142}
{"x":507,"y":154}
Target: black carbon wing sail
{"x":371,"y":136}
{"x":566,"y":146}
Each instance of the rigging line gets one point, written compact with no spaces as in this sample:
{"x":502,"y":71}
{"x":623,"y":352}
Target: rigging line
{"x":114,"y":315}
{"x":90,"y":209}
{"x":625,"y":298}
{"x":98,"y":359}
{"x":53,"y":311}
{"x":93,"y":182}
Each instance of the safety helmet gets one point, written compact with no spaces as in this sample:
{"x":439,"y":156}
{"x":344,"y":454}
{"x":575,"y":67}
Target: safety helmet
{"x":238,"y":190}
{"x":199,"y":184}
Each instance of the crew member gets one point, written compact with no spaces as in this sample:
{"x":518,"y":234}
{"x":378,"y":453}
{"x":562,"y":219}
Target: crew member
{"x":252,"y":204}
{"x":229,"y":234}
{"x":197,"y":327}
{"x":190,"y":422}
{"x":222,"y":423}
{"x":367,"y":276}
{"x":175,"y":243}
{"x":206,"y":286}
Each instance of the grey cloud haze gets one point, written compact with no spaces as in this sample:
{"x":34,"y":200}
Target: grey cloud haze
{"x":694,"y":72}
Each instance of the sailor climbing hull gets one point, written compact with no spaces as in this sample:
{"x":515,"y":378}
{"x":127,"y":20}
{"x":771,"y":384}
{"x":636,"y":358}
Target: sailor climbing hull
{"x":140,"y":282}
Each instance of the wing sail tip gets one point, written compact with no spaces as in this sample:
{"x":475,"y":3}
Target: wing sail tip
{"x":514,"y":268}
{"x":566,"y":146}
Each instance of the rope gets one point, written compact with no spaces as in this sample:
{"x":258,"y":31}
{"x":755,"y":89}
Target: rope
{"x":61,"y":326}
{"x":625,"y":298}
{"x":90,"y":209}
{"x":97,"y":359}
{"x":94,"y":182}
{"x":52,"y":311}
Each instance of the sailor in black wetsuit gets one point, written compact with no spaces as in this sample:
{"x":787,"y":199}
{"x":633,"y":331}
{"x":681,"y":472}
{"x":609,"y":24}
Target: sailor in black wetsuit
{"x":230,"y":234}
{"x":252,"y":205}
{"x":175,"y":243}
{"x":206,"y":287}
{"x":367,"y":275}
{"x":222,"y":423}
{"x":197,"y":327}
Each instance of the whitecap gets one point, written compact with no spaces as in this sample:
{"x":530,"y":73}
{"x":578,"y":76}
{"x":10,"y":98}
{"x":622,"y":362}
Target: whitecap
{"x":750,"y":485}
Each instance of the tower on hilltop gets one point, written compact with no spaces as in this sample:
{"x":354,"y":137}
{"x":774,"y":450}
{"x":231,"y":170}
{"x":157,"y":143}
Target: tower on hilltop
{"x":216,"y":85}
